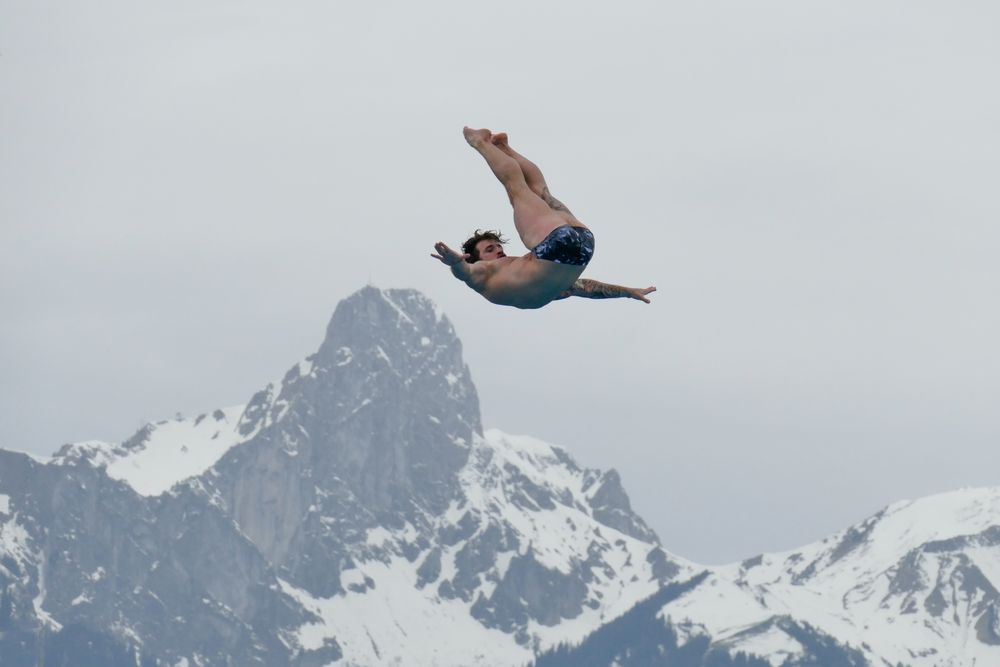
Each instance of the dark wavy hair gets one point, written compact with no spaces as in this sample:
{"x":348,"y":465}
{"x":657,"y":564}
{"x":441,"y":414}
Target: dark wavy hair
{"x":469,"y":247}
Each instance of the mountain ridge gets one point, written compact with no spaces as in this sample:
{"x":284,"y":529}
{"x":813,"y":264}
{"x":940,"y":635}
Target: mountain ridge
{"x":356,"y":512}
{"x":911,"y":585}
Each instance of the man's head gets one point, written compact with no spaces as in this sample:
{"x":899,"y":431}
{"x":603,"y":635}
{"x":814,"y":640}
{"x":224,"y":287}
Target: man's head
{"x":484,"y":245}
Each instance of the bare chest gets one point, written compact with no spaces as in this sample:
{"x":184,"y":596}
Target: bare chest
{"x":528,"y":282}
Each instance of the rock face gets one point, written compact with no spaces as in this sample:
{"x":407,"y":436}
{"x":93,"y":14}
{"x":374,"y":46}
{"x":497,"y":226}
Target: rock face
{"x":91,"y":570}
{"x":352,"y":513}
{"x":370,"y":431}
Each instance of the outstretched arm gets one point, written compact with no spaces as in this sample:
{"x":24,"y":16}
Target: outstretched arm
{"x":595,"y":289}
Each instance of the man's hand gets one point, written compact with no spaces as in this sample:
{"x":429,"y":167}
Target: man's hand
{"x":447,"y":256}
{"x":640,"y":293}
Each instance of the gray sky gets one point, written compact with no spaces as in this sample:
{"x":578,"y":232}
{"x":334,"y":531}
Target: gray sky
{"x":187,"y":189}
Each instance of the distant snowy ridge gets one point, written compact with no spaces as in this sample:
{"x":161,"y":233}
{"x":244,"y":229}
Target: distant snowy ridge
{"x":915,"y":585}
{"x":164,"y":453}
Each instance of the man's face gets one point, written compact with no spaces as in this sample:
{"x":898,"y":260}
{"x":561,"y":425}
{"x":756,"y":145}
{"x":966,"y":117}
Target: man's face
{"x":489,"y":249}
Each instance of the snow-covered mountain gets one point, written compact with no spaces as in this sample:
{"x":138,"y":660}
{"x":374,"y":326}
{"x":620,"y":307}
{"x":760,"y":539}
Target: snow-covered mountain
{"x":353,"y":512}
{"x":163,"y":453}
{"x":915,"y":584}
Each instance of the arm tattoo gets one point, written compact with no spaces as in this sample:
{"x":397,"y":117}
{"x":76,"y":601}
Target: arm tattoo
{"x":594,"y":289}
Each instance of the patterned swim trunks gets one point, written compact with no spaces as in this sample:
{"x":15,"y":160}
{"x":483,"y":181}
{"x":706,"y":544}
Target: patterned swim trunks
{"x":567,"y":244}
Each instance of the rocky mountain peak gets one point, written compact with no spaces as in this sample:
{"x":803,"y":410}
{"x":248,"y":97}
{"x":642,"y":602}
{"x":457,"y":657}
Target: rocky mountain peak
{"x":373,"y":429}
{"x":397,"y":320}
{"x":354,"y":509}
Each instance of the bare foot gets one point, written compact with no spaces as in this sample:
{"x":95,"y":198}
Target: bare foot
{"x":475,"y":136}
{"x":499,"y":140}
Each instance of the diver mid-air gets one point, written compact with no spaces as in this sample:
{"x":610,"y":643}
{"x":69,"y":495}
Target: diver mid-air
{"x":561,"y":246}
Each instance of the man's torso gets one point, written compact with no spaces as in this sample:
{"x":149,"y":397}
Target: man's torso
{"x":526,"y":281}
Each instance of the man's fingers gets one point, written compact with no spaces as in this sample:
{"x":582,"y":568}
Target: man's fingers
{"x":447,"y":255}
{"x":641,"y":294}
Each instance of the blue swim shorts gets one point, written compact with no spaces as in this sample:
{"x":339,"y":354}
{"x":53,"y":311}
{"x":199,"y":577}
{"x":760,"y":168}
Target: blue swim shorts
{"x":567,"y":245}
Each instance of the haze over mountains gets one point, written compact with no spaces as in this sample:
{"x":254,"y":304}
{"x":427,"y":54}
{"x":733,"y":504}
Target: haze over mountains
{"x":356,"y":513}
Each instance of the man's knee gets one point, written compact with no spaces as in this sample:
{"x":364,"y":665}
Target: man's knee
{"x":510,"y":174}
{"x":517,"y":187}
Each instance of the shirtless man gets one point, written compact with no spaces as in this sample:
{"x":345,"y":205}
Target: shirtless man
{"x":561,"y":246}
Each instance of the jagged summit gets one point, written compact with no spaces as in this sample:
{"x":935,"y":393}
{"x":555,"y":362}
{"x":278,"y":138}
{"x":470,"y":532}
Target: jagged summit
{"x":387,"y":402}
{"x":382,"y":347}
{"x":399,"y":319}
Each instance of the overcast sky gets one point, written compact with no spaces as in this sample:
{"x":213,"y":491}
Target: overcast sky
{"x":188,"y":188}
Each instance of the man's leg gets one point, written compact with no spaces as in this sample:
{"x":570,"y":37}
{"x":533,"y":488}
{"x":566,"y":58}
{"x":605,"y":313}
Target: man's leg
{"x":533,"y":176}
{"x":533,"y":218}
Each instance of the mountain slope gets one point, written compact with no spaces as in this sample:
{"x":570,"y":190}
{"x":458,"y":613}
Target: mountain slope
{"x":915,"y":584}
